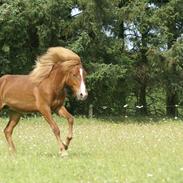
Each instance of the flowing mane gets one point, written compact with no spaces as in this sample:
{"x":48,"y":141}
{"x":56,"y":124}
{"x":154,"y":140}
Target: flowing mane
{"x":54,"y":55}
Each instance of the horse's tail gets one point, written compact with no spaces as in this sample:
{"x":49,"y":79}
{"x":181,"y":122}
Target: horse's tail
{"x":1,"y":89}
{"x":1,"y":81}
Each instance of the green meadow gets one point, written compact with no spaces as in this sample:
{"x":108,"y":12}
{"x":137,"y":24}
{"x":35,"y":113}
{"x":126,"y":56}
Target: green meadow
{"x":102,"y":151}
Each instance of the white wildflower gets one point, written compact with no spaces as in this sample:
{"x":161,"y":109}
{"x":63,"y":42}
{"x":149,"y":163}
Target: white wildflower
{"x":149,"y":174}
{"x":139,"y":106}
{"x":126,"y":105}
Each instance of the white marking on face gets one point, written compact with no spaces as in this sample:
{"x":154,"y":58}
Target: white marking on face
{"x":82,"y":91}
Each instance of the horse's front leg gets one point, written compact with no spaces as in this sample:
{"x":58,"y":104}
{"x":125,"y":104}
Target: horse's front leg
{"x":64,"y":113}
{"x":46,"y":112}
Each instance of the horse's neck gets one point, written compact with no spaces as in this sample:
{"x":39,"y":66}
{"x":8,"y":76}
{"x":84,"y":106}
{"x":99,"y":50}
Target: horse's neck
{"x":55,"y":82}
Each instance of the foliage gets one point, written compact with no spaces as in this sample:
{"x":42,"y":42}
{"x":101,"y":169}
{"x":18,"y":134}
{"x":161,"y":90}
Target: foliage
{"x":132,"y":50}
{"x":108,"y":77}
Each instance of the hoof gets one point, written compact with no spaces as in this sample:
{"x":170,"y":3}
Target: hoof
{"x":66,"y":147}
{"x":64,"y":153}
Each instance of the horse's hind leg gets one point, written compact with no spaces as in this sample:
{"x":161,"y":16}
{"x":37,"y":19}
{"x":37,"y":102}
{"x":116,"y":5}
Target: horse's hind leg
{"x":13,"y":120}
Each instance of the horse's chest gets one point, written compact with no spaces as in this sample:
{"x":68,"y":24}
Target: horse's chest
{"x":58,"y":101}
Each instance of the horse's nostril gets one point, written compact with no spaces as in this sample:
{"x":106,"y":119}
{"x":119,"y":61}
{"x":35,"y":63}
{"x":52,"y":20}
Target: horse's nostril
{"x":81,"y":94}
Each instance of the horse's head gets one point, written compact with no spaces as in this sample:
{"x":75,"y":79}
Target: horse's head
{"x":76,"y":81}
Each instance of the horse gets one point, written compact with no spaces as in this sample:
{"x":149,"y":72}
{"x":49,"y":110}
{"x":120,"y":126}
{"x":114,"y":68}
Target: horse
{"x":43,"y":91}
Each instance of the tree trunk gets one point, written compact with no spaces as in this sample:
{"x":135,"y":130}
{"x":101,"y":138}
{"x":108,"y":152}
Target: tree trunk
{"x":171,"y":102}
{"x":142,"y":107}
{"x":143,"y":80}
{"x":171,"y":93}
{"x":171,"y":96}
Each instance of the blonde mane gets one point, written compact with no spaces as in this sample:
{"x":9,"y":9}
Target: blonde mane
{"x":54,"y":55}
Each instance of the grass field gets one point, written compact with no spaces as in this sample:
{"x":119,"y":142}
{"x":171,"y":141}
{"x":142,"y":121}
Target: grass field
{"x":101,"y":152}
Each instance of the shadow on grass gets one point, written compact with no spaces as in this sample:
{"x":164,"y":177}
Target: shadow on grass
{"x":136,"y":119}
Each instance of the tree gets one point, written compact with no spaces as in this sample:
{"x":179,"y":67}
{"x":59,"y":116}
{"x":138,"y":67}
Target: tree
{"x":171,"y":27}
{"x":131,"y":49}
{"x":27,"y":28}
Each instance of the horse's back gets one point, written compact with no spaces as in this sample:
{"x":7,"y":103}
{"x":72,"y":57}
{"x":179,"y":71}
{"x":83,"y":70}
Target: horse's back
{"x":15,"y":82}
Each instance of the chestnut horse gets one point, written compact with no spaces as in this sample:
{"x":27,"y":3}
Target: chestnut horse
{"x":43,"y":91}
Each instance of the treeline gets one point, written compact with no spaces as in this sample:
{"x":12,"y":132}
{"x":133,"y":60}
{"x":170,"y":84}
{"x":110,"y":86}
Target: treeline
{"x":132,"y":49}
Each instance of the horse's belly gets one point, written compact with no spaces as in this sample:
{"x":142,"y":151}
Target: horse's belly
{"x":21,"y":105}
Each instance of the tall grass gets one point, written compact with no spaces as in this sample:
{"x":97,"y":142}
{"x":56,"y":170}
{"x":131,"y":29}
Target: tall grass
{"x":101,"y":152}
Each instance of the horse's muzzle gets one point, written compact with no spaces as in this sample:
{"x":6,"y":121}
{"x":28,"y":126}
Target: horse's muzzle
{"x":82,"y":96}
